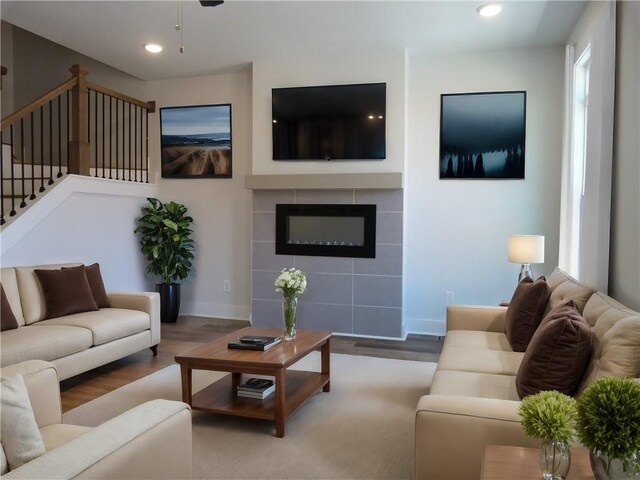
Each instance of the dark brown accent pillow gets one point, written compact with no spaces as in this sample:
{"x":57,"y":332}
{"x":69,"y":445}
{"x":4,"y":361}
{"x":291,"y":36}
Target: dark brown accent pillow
{"x":94,"y":277}
{"x":8,"y":320}
{"x":525,"y":312}
{"x":66,"y":291}
{"x":558,"y":354}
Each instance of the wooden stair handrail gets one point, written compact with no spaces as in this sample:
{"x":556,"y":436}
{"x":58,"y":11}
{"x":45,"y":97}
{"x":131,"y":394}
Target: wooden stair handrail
{"x":33,"y":106}
{"x":150,"y":106}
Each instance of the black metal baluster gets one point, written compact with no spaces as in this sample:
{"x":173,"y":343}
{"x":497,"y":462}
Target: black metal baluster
{"x":22,"y":193}
{"x":51,"y":141}
{"x":2,"y":221}
{"x":33,"y":159}
{"x":41,"y":149}
{"x":13,"y":176}
{"x":95,"y":133}
{"x":103,"y":129}
{"x":110,"y":135}
{"x":69,"y":135}
{"x":60,"y":134}
{"x":147,"y":145}
{"x":124,"y":141}
{"x":135,"y":136}
{"x":117,"y":137}
{"x":129,"y":129}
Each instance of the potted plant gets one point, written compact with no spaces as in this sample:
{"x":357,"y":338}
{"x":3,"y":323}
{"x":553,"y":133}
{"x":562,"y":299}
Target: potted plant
{"x":166,"y":243}
{"x":550,"y":417}
{"x":609,"y":426}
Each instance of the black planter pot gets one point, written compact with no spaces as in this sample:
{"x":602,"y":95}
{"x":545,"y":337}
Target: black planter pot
{"x":169,"y":301}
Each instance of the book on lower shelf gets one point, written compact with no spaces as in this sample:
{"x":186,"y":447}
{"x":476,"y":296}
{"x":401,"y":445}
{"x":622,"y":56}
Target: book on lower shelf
{"x":253,"y":342}
{"x":259,"y":388}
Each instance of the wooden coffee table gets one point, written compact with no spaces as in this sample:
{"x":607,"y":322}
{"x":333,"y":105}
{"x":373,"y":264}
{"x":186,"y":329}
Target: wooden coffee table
{"x":293,"y":387}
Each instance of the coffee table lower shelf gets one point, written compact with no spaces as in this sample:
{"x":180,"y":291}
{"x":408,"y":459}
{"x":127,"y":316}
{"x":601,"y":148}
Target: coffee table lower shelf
{"x":220,"y":397}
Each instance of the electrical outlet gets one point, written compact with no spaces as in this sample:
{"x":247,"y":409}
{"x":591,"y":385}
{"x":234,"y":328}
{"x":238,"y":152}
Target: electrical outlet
{"x":227,"y":285}
{"x":450,"y":297}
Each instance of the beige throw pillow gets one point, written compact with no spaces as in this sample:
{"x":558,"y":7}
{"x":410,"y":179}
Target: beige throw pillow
{"x":21,"y":438}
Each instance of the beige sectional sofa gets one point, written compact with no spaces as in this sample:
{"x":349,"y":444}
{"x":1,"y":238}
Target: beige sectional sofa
{"x":473,"y":400}
{"x":152,"y":440}
{"x":79,"y":342}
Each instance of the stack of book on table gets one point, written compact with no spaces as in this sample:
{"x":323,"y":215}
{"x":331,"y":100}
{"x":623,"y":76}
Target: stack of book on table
{"x":259,"y":388}
{"x":254,"y":342}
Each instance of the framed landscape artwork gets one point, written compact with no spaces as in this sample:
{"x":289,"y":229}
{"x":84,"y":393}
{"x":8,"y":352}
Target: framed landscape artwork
{"x":196,"y":141}
{"x":482,"y":135}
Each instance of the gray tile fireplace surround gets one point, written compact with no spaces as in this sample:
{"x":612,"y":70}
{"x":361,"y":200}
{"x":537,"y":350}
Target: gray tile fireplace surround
{"x":360,"y":296}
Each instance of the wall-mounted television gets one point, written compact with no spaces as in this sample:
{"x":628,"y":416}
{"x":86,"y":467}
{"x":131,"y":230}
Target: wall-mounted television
{"x":333,"y":122}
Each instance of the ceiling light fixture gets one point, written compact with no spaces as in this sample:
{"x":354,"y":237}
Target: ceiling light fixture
{"x":153,"y":48}
{"x":489,"y":9}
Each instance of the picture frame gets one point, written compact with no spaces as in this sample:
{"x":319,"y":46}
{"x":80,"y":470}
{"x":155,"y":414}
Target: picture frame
{"x":482,"y":135}
{"x":196,"y":141}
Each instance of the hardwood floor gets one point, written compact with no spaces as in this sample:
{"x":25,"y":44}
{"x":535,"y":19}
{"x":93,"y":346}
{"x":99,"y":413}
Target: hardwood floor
{"x":189,"y":332}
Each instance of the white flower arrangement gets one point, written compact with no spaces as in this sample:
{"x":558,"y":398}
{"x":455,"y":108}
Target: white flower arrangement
{"x":291,"y":282}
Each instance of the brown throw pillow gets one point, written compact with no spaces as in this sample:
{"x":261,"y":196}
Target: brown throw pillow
{"x":525,"y":312}
{"x":7,"y":318}
{"x":558,"y":354}
{"x":94,"y":277}
{"x":66,"y":291}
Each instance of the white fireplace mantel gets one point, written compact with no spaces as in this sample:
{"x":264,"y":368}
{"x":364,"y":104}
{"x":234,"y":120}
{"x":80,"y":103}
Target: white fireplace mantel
{"x":330,"y":181}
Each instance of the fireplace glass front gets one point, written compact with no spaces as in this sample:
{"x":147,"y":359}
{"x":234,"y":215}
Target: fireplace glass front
{"x":326,"y":230}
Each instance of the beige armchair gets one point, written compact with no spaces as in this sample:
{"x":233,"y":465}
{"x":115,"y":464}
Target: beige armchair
{"x":152,"y":440}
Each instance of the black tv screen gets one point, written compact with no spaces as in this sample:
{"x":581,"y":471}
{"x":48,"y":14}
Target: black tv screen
{"x":335,"y":122}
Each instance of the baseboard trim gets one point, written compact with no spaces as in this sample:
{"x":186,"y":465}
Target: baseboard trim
{"x":425,"y":326}
{"x":216,"y":310}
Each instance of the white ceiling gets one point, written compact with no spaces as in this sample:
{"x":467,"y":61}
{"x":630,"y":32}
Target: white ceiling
{"x":240,"y":32}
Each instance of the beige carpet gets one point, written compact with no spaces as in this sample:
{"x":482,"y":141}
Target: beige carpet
{"x":362,"y":429}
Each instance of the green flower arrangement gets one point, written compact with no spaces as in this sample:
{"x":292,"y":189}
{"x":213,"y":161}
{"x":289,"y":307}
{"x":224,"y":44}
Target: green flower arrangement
{"x":548,"y":416}
{"x":609,"y":420}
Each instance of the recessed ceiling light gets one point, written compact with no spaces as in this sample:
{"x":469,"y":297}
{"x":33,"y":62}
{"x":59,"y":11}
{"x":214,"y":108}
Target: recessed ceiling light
{"x":153,"y":48}
{"x":489,"y":9}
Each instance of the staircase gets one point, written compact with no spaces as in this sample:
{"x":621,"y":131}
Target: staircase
{"x":78,"y":128}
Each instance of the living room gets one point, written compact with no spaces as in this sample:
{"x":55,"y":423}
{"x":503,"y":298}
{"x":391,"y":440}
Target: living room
{"x":453,"y":233}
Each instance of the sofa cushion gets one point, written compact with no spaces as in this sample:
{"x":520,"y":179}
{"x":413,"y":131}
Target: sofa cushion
{"x":8,"y":320}
{"x":99,"y":293}
{"x":615,"y":331}
{"x":46,"y":343}
{"x":570,"y":290}
{"x":105,"y":325}
{"x":557,"y":355}
{"x":477,"y":339}
{"x":464,"y":359}
{"x":34,"y":308}
{"x":9,"y":282}
{"x":557,"y":277}
{"x":66,"y":291}
{"x":525,"y":312}
{"x":478,"y":385}
{"x":21,"y":439}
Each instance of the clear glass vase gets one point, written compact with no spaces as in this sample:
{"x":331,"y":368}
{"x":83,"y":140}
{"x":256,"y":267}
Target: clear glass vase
{"x":555,"y":459}
{"x":606,"y":468}
{"x":289,"y":308}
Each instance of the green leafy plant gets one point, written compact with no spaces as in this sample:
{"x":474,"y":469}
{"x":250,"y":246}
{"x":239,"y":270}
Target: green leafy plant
{"x":609,"y":419}
{"x":165,"y":239}
{"x":548,"y":415}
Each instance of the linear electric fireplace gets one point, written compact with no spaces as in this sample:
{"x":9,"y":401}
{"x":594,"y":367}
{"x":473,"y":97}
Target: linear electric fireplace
{"x":326,"y":230}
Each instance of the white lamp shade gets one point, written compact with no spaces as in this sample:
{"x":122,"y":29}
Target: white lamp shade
{"x":526,"y":248}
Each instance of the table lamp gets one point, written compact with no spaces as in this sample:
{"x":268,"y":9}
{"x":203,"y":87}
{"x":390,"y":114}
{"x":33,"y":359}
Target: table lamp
{"x":526,"y":249}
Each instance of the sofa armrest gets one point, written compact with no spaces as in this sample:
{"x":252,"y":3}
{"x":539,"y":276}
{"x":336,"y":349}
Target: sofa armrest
{"x":476,"y":317}
{"x":148,"y":302}
{"x":41,"y":380}
{"x":452,"y":432}
{"x":152,"y":440}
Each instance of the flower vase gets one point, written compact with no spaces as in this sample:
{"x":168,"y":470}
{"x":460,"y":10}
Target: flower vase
{"x":555,"y":459}
{"x":606,"y":468}
{"x":289,"y":307}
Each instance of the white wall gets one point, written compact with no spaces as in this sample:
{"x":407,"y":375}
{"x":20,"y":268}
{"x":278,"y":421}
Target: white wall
{"x":221,"y":207}
{"x":624,"y":267}
{"x":386,"y":67}
{"x":85,"y":226}
{"x":6,"y":45}
{"x":456,"y":230}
